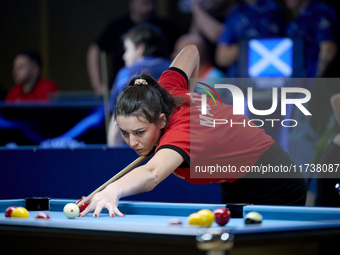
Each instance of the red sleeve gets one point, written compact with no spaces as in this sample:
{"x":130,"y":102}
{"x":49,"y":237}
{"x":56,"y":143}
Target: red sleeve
{"x":172,"y":78}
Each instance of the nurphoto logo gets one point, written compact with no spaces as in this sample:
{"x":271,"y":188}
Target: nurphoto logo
{"x":239,"y":101}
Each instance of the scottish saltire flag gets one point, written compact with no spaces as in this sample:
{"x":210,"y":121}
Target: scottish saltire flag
{"x":270,"y":57}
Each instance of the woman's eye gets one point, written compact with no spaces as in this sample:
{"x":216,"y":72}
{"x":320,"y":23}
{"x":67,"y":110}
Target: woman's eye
{"x":139,"y":132}
{"x":123,"y":132}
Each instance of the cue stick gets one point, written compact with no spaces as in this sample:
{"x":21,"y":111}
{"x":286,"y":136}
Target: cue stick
{"x":104,"y":74}
{"x":116,"y":177}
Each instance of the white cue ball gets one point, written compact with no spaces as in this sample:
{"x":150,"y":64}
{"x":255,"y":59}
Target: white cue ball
{"x":71,"y":210}
{"x":253,"y":218}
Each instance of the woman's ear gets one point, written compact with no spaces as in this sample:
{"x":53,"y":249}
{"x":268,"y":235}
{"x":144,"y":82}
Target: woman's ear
{"x":162,"y":120}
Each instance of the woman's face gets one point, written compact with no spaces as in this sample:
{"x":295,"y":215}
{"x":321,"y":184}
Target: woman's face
{"x":141,"y":135}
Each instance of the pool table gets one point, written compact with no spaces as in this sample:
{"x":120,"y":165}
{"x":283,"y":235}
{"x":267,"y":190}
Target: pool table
{"x":145,"y":230}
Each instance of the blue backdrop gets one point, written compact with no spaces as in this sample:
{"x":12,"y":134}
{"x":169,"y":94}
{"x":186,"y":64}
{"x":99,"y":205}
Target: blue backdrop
{"x":28,"y":171}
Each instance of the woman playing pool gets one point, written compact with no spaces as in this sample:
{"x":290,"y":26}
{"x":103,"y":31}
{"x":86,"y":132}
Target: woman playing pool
{"x":156,"y":116}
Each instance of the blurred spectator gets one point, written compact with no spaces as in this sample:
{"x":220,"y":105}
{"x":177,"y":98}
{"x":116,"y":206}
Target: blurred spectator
{"x":317,"y":24}
{"x":61,"y":142}
{"x":27,"y":77}
{"x":208,"y":20}
{"x":110,"y":40}
{"x":206,"y":70}
{"x":250,"y":19}
{"x":144,"y":51}
{"x":326,"y":194}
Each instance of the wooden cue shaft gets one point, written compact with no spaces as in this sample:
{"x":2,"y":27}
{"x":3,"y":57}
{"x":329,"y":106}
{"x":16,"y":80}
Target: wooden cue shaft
{"x":116,"y":177}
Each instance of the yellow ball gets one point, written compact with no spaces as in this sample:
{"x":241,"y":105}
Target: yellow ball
{"x":195,"y":219}
{"x":20,"y":212}
{"x":209,"y":217}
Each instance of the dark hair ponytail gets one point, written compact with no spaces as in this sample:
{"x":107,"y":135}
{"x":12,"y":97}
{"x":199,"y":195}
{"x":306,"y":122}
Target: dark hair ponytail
{"x":149,"y":101}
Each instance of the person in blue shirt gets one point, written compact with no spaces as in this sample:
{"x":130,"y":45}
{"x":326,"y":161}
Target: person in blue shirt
{"x":109,"y":40}
{"x":144,"y":47}
{"x":250,"y":19}
{"x":317,"y":24}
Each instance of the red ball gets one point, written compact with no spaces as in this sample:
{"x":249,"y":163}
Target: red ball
{"x":83,"y":206}
{"x":9,"y":210}
{"x":222,"y":216}
{"x":42,"y":215}
{"x":175,"y":221}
